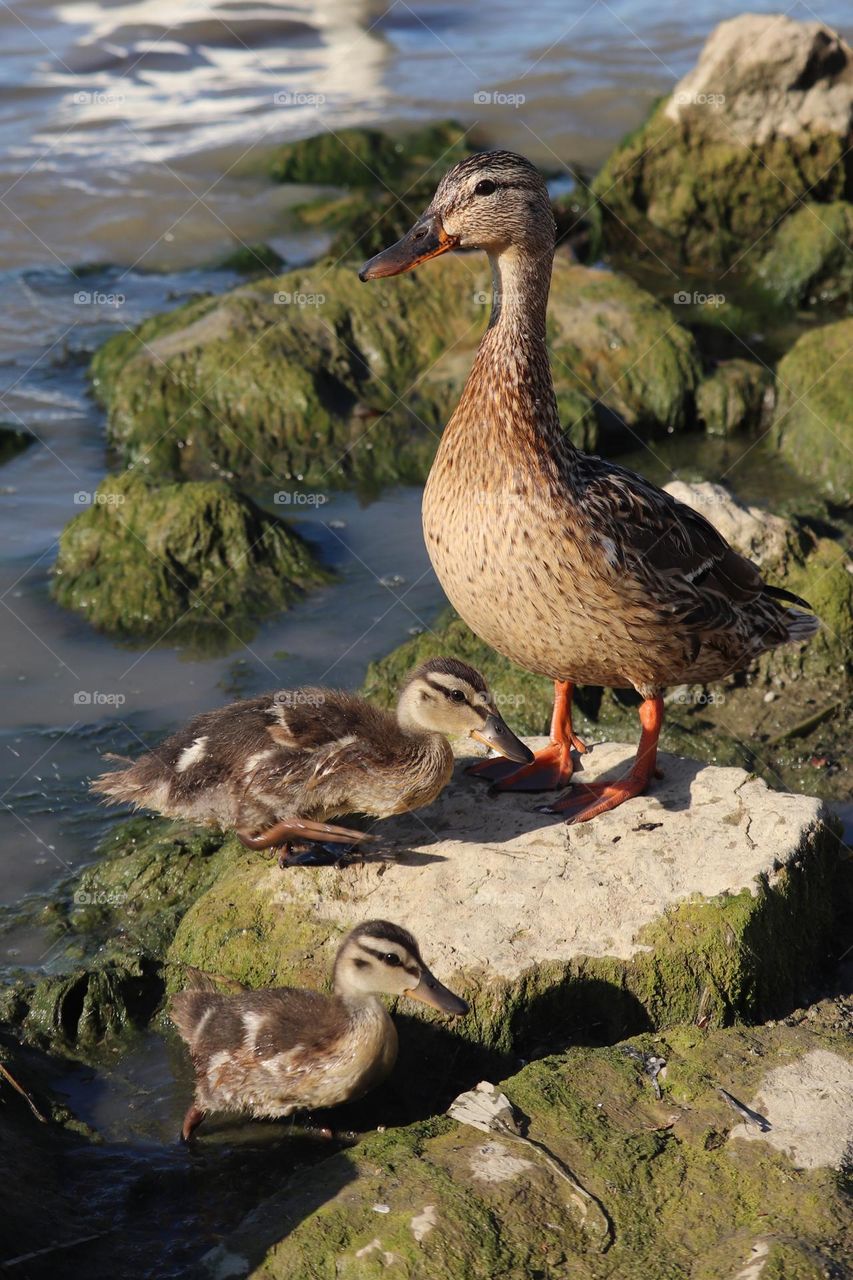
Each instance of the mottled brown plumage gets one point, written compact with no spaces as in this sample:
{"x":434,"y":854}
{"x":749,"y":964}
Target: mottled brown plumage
{"x":569,"y":565}
{"x":287,"y":762}
{"x":275,"y":1051}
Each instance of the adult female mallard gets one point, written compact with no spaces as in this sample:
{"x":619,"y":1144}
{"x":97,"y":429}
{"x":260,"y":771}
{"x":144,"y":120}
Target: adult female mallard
{"x":282,"y":764}
{"x":573,"y":567}
{"x":280,"y":1050}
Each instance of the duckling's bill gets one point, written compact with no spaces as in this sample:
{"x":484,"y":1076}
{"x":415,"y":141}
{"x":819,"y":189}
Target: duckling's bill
{"x":427,"y":239}
{"x":430,"y":991}
{"x":497,"y":734}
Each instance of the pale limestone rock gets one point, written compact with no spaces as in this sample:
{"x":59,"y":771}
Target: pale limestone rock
{"x":755,"y":533}
{"x":764,"y":76}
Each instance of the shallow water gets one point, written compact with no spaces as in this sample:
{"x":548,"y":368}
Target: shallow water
{"x":134,"y":136}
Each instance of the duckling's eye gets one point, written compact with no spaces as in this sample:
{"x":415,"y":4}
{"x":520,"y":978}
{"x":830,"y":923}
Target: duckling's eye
{"x":485,"y":188}
{"x":457,"y":695}
{"x":393,"y":959}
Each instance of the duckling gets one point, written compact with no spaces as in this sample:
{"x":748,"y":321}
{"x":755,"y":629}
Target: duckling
{"x":276,"y":767}
{"x":276,"y":1051}
{"x":573,"y":567}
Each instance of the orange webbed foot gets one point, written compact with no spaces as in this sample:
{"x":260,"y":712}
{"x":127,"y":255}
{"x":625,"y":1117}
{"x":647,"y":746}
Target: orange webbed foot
{"x":550,"y":770}
{"x":588,"y":800}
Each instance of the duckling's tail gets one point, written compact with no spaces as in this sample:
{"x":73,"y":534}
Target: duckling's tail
{"x":136,"y":784}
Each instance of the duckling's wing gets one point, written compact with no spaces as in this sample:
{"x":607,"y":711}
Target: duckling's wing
{"x":310,"y":719}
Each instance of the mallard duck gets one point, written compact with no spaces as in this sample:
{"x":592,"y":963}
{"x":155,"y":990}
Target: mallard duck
{"x":275,"y":768}
{"x":572,"y":567}
{"x":273,"y":1052}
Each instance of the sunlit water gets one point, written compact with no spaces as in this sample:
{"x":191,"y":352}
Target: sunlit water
{"x":132,"y":140}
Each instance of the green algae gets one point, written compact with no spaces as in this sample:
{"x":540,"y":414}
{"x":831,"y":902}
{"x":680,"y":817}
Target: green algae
{"x":457,"y":1202}
{"x":687,"y":193}
{"x":810,"y":257}
{"x":253,"y":259}
{"x":338,"y":383}
{"x":812,"y":424}
{"x":733,"y":396}
{"x":192,"y":560}
{"x":370,"y":157}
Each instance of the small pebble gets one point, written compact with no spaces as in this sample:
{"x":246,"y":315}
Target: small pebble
{"x":382,"y":1208}
{"x":770,"y":696}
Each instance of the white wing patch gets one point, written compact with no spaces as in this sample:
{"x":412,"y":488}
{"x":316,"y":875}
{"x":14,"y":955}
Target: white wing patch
{"x":191,"y":755}
{"x":254,"y":760}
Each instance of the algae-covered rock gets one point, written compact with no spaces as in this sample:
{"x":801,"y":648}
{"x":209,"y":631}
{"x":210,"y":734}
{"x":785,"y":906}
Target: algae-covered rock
{"x":614,"y":1180}
{"x":733,"y":397}
{"x":143,"y":560}
{"x":763,"y":121}
{"x":810,"y":258}
{"x":253,"y":259}
{"x":369,"y":157}
{"x":613,"y":342}
{"x":13,"y":441}
{"x":812,"y":424}
{"x":629,"y":927}
{"x":319,"y":377}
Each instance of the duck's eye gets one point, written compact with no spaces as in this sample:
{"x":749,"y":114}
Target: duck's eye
{"x":457,"y":695}
{"x":485,"y":188}
{"x":392,"y":959}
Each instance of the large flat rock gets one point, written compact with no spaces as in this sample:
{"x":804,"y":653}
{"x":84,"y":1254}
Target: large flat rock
{"x":708,"y":898}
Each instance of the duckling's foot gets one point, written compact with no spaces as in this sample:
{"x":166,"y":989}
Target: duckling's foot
{"x":550,"y":770}
{"x":192,"y":1120}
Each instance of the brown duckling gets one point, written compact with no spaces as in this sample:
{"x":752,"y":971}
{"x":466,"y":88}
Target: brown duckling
{"x":277,"y":767}
{"x":276,"y":1051}
{"x":567,"y":564}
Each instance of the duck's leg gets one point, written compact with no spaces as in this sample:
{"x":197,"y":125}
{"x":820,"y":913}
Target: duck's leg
{"x":588,"y":799}
{"x":192,"y":1120}
{"x":552,"y":767}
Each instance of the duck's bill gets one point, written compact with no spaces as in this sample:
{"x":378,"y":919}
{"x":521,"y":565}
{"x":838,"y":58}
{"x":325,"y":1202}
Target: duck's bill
{"x":427,"y":239}
{"x":497,"y":734}
{"x":430,"y":991}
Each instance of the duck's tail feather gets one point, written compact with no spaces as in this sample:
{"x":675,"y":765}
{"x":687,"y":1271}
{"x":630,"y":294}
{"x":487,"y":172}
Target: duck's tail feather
{"x":779,"y":593}
{"x":801,"y":626}
{"x":134,"y":785}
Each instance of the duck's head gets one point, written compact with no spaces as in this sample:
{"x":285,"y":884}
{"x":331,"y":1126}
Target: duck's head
{"x":380,"y":958}
{"x":447,"y":696}
{"x":494,"y":201}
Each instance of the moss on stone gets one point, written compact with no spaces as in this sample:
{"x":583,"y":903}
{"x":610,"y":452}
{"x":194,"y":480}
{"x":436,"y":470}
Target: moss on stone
{"x":812,"y":424}
{"x":341,"y":383}
{"x":12,"y":442}
{"x":810,"y":256}
{"x":689,"y":192}
{"x":370,"y":157}
{"x":733,"y":396}
{"x":681,"y":1199}
{"x":253,"y":259}
{"x":181,"y":559}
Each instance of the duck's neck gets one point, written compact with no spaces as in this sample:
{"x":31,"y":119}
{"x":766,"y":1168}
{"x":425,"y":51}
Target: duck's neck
{"x":511,"y":377}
